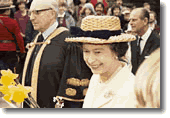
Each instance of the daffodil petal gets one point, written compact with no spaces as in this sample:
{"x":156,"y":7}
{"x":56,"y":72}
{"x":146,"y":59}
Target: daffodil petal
{"x":6,"y":81}
{"x":4,"y":72}
{"x":9,"y":73}
{"x":7,"y":98}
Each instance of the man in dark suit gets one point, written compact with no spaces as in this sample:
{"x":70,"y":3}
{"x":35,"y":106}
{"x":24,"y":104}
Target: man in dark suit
{"x":147,"y":40}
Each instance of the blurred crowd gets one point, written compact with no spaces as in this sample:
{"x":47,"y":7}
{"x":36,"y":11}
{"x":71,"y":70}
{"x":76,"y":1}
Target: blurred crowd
{"x":71,"y":12}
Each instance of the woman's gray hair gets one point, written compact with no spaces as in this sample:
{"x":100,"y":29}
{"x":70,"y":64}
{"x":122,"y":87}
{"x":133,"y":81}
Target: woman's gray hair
{"x":90,"y":6}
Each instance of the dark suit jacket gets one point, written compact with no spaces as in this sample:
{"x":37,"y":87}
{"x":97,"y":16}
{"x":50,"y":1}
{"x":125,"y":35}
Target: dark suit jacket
{"x":152,"y":43}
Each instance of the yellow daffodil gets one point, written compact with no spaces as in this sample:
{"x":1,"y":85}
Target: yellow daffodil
{"x":19,"y":93}
{"x":7,"y":81}
{"x":7,"y":97}
{"x":16,"y":93}
{"x":11,"y":91}
{"x":4,"y":89}
{"x":8,"y":77}
{"x":9,"y":73}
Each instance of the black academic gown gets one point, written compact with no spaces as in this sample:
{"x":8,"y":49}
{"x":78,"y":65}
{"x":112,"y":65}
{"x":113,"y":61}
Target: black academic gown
{"x":152,"y":44}
{"x":50,"y":71}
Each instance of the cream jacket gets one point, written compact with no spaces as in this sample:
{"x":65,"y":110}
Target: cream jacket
{"x":117,"y":92}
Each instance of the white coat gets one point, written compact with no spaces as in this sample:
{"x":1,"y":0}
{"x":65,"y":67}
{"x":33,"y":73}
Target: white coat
{"x":117,"y":92}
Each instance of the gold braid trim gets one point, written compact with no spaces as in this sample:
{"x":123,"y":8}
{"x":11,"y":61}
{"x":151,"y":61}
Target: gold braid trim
{"x":29,"y":53}
{"x":71,"y":92}
{"x":78,"y":82}
{"x":34,"y":80}
{"x":69,"y":99}
{"x":37,"y":60}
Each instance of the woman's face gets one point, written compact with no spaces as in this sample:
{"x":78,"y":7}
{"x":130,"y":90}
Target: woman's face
{"x":99,"y":58}
{"x":21,"y":6}
{"x":61,"y":9}
{"x":87,"y":11}
{"x":116,"y":11}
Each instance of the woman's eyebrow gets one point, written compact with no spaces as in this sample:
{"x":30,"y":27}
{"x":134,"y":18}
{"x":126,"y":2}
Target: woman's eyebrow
{"x":99,"y":49}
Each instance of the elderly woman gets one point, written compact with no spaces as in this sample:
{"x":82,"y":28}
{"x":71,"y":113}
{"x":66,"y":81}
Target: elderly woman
{"x":104,"y":49}
{"x":147,"y":83}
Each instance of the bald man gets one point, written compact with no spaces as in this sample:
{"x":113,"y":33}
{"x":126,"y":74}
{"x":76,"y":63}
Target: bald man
{"x":45,"y":58}
{"x":147,"y":41}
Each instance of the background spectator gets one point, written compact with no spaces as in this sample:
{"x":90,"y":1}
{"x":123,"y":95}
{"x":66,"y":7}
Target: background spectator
{"x":147,"y":6}
{"x":21,"y":16}
{"x":105,"y":3}
{"x":119,"y":3}
{"x":70,"y":5}
{"x":115,"y":11}
{"x":126,"y":14}
{"x":152,"y":22}
{"x":87,"y":9}
{"x":78,"y":9}
{"x":64,"y":18}
{"x":99,"y":8}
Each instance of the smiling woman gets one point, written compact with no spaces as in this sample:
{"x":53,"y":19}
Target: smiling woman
{"x":95,"y":57}
{"x":104,"y":49}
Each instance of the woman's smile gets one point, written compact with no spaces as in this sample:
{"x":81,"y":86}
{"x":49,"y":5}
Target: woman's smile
{"x":95,"y":67}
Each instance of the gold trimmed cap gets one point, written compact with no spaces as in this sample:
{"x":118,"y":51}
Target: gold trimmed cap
{"x":99,"y":30}
{"x":6,"y":4}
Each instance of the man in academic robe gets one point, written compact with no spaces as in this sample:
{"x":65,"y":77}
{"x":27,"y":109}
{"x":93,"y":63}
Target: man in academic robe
{"x":47,"y":55}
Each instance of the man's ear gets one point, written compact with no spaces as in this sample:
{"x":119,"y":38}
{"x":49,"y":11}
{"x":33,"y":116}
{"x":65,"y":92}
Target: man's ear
{"x":146,"y":20}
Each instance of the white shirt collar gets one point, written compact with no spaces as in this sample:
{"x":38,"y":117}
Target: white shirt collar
{"x":50,"y":30}
{"x":144,"y":39}
{"x":61,"y":15}
{"x":147,"y":34}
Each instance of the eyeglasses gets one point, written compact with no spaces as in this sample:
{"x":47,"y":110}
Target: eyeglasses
{"x":37,"y":12}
